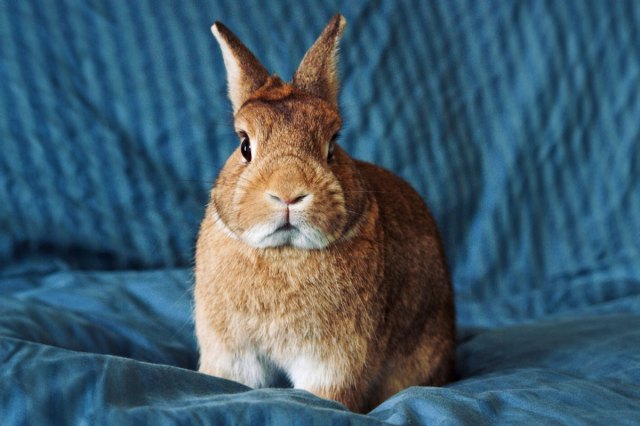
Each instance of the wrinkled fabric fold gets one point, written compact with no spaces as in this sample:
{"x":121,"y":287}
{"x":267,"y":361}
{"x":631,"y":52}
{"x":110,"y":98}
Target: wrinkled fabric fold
{"x":516,"y":121}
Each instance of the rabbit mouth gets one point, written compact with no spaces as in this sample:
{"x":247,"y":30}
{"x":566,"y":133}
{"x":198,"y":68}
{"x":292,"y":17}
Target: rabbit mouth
{"x":285,"y":234}
{"x":286,"y":227}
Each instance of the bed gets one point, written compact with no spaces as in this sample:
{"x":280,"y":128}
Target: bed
{"x":516,"y":121}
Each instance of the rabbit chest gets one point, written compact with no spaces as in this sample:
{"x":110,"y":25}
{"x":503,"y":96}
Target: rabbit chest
{"x":271,"y":299}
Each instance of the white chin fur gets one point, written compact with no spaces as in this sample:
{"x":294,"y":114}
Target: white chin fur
{"x":303,"y":236}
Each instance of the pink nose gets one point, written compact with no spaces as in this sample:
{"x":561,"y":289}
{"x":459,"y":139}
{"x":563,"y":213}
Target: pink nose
{"x":287,"y":200}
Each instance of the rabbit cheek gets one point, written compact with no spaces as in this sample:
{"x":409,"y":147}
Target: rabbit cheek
{"x":255,"y":221}
{"x":330,"y":216}
{"x":321,"y":221}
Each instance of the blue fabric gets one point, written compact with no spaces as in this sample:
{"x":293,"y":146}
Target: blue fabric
{"x":517,"y":122}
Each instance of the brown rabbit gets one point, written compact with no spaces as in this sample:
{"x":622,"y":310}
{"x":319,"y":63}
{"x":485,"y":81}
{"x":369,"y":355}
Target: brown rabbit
{"x":309,"y":263}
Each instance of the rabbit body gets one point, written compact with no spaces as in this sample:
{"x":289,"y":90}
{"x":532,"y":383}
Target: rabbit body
{"x":308,"y":263}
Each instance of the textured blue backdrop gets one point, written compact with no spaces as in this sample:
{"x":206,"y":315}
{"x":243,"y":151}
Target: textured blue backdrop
{"x":519,"y":123}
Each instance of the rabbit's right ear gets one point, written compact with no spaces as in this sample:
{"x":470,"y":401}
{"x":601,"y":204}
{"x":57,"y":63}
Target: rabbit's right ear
{"x":317,"y":74}
{"x":245,"y":74}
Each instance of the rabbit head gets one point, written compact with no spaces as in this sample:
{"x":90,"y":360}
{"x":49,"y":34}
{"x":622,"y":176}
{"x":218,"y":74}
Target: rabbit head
{"x":288,"y":182}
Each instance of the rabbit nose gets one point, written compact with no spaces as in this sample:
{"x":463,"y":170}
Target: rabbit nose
{"x":286,"y":200}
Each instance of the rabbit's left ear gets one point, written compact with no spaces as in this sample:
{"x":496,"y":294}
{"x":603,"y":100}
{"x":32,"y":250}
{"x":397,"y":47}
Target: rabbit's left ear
{"x":317,"y":74}
{"x":245,"y":74}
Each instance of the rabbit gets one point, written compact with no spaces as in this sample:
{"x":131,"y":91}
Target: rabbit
{"x":308,"y":263}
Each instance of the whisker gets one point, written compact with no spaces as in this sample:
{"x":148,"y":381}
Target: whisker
{"x":367,"y":192}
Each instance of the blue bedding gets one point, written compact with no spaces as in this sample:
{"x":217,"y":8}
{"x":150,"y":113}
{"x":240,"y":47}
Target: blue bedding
{"x":516,"y":121}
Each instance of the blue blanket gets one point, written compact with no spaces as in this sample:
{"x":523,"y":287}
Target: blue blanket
{"x":518,"y":122}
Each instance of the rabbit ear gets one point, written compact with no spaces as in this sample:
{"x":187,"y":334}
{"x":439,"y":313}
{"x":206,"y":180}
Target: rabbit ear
{"x":317,"y":74}
{"x":245,"y":74}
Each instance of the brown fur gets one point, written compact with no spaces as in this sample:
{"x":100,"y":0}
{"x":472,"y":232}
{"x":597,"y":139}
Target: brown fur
{"x":368,"y":309}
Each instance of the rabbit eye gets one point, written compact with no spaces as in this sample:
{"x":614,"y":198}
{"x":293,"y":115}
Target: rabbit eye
{"x":245,"y":147}
{"x":332,"y":145}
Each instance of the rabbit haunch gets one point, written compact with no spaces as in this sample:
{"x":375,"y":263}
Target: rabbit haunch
{"x":319,"y":267}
